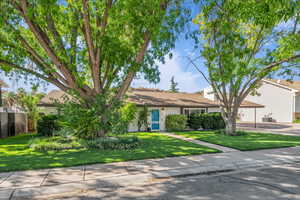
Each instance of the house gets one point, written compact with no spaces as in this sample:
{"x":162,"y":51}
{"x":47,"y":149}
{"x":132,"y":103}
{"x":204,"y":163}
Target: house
{"x":281,"y":99}
{"x":160,"y":104}
{"x":11,"y":122}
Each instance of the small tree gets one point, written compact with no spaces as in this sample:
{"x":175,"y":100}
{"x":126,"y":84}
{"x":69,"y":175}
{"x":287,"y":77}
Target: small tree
{"x":173,"y":87}
{"x":237,"y":48}
{"x":28,"y":102}
{"x":143,"y":118}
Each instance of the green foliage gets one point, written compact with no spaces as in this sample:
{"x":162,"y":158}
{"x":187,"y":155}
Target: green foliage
{"x":59,"y":143}
{"x":128,"y":114}
{"x":112,"y":143}
{"x":207,"y":121}
{"x":176,"y":122}
{"x":28,"y":102}
{"x":173,"y":87}
{"x":143,"y":118}
{"x":296,"y":121}
{"x":89,"y":47}
{"x":244,"y":42}
{"x":48,"y":125}
{"x":93,"y":120}
{"x":54,"y":143}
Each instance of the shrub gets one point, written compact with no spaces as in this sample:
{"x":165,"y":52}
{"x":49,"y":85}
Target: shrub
{"x":127,"y":115}
{"x":91,"y":119}
{"x":47,"y":125}
{"x":176,"y":122}
{"x":207,"y":121}
{"x":111,"y":143}
{"x":54,"y":143}
{"x":62,"y":143}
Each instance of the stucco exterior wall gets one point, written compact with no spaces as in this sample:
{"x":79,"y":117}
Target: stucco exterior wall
{"x":297,"y":103}
{"x":48,"y":110}
{"x":209,"y":110}
{"x":278,"y":102}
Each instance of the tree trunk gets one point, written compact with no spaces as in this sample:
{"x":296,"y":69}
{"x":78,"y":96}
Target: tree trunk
{"x":230,"y":123}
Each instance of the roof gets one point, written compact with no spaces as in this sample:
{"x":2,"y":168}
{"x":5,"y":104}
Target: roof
{"x":3,"y":84}
{"x":294,"y":85}
{"x":154,"y":97}
{"x":54,"y":96}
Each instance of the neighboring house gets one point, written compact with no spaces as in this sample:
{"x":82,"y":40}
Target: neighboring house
{"x":160,"y":104}
{"x":281,"y":99}
{"x":11,"y":122}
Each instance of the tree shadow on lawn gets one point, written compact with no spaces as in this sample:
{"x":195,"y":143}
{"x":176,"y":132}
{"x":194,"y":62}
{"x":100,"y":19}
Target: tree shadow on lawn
{"x":18,"y":155}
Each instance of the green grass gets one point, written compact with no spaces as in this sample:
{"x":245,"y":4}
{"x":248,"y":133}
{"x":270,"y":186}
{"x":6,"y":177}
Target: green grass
{"x":245,"y":142}
{"x":15,"y":153}
{"x":296,"y":121}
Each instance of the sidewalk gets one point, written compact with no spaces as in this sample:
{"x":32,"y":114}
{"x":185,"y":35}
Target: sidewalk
{"x":42,"y":183}
{"x":214,"y":146}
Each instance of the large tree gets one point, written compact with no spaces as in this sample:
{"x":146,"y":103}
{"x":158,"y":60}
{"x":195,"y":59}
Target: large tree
{"x":87,"y":47}
{"x":243,"y":42}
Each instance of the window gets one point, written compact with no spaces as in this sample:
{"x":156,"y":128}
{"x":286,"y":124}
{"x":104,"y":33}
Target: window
{"x":189,"y":111}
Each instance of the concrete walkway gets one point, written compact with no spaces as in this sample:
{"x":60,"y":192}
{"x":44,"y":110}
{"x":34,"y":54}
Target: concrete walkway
{"x":43,"y":183}
{"x":214,"y":146}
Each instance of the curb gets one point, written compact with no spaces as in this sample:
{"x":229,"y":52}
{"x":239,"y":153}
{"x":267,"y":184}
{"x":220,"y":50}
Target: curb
{"x":48,"y":192}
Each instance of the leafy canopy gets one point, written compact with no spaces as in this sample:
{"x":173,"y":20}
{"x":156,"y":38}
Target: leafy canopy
{"x":243,"y":42}
{"x":89,"y":46}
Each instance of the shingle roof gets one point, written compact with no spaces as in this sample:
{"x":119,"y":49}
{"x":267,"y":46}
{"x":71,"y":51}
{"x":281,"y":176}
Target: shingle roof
{"x":54,"y":96}
{"x":154,"y":97}
{"x":290,"y":84}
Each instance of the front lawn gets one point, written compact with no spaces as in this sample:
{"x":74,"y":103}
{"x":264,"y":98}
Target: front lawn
{"x":246,"y":141}
{"x":15,"y":153}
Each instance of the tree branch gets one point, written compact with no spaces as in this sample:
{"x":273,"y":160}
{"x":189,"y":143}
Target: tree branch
{"x":139,"y":59}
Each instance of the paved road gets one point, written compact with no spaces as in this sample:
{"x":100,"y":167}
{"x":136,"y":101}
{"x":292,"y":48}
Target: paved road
{"x":276,"y":183}
{"x":275,"y":128}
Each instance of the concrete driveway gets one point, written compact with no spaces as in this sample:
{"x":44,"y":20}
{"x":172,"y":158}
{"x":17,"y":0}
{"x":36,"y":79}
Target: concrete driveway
{"x":276,"y":128}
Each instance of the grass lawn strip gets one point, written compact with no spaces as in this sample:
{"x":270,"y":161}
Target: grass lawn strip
{"x":245,"y":142}
{"x":15,"y":153}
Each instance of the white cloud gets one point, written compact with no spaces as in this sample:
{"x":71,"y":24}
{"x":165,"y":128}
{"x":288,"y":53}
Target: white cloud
{"x":187,"y":81}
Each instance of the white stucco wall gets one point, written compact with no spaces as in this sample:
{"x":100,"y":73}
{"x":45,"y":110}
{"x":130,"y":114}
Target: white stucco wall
{"x":48,"y":110}
{"x":297,"y":103}
{"x":278,"y":104}
{"x":209,"y":110}
{"x":209,"y":94}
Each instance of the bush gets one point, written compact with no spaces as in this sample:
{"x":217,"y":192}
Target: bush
{"x":112,"y":143}
{"x":54,"y":143}
{"x":47,"y":125}
{"x":127,"y":114}
{"x":91,"y":119}
{"x":63,"y":143}
{"x":176,"y":122}
{"x":207,"y":121}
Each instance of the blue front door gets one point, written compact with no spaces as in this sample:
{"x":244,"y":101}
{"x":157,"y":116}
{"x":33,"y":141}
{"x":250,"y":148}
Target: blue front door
{"x":155,"y":120}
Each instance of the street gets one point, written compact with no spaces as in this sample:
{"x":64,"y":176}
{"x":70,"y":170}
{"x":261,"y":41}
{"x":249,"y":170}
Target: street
{"x":275,"y":183}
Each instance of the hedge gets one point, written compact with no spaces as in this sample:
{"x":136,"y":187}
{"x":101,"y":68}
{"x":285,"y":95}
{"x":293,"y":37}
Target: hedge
{"x":176,"y":122}
{"x":207,"y":121}
{"x":47,"y":125}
